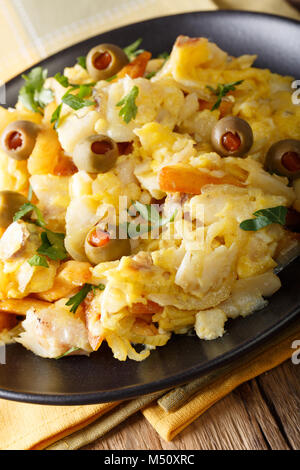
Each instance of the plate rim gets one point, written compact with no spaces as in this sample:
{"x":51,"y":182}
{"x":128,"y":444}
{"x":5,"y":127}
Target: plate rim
{"x":129,"y":392}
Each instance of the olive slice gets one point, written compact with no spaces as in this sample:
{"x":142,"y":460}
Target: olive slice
{"x":101,"y":247}
{"x":96,"y":154}
{"x":232,"y":137}
{"x":10,"y":203}
{"x":283,"y":158}
{"x":19,"y":138}
{"x":105,"y":61}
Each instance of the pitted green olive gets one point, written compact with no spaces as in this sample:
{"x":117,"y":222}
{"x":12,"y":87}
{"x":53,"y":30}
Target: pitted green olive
{"x":232,"y":137}
{"x":101,"y":246}
{"x":96,"y":154}
{"x":283,"y":158}
{"x":10,"y":203}
{"x":105,"y":61}
{"x":19,"y":138}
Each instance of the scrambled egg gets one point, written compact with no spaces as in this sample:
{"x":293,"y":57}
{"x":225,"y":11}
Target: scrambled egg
{"x":201,"y":268}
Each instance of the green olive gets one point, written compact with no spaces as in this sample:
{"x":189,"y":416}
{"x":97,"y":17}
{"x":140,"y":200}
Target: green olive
{"x":96,"y":154}
{"x":105,"y":61}
{"x":102,"y":246}
{"x":283,"y":158}
{"x":232,"y":137}
{"x":19,"y":138}
{"x":10,"y":203}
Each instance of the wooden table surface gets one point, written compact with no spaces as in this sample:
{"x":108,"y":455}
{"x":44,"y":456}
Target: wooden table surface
{"x":259,"y":415}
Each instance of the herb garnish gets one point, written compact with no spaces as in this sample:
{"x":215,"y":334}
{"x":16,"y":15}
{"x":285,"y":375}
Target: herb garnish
{"x":151,"y":216}
{"x":264,"y":218}
{"x":33,"y":95}
{"x":68,"y":353}
{"x":56,"y":116}
{"x":26,"y":209}
{"x":75,"y":102}
{"x":164,"y":55}
{"x":222,"y":90}
{"x":52,"y":245}
{"x":75,"y":301}
{"x":132,"y":50}
{"x":82,"y":61}
{"x":39,"y":261}
{"x":128,"y":106}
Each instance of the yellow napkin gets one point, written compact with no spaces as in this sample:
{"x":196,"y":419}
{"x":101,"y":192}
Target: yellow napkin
{"x":27,"y":426}
{"x":29,"y":31}
{"x":168,"y":425}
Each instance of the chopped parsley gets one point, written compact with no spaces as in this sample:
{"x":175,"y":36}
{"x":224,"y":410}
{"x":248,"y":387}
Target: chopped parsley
{"x":52,"y":247}
{"x":164,"y":55}
{"x":151,"y":216}
{"x":132,"y":51}
{"x":128,"y":105}
{"x":75,"y":102}
{"x":264,"y":218}
{"x":82,"y":61}
{"x":62,"y":79}
{"x":68,"y":353}
{"x":33,"y":95}
{"x":28,"y":208}
{"x":222,"y":90}
{"x":75,"y":301}
{"x":56,"y":116}
{"x":37,"y":260}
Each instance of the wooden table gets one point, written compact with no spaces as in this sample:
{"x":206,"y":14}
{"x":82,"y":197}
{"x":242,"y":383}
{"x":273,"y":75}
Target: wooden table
{"x":259,"y":415}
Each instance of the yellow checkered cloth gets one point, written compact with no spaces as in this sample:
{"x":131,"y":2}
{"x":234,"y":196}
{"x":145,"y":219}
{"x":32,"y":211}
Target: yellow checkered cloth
{"x":31,"y":30}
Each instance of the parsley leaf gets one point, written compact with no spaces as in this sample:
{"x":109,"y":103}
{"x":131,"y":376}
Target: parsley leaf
{"x":150,"y":75}
{"x":53,"y":246}
{"x":132,"y":50}
{"x":26,"y":209}
{"x":151,"y":215}
{"x":75,"y":301}
{"x":33,"y":95}
{"x":62,"y":79}
{"x":128,"y":106}
{"x":110,"y":79}
{"x":82,"y":61}
{"x":222,"y":90}
{"x":75,"y":102}
{"x":37,"y":260}
{"x":264,"y":218}
{"x":56,"y":116}
{"x":164,"y":55}
{"x":68,"y":353}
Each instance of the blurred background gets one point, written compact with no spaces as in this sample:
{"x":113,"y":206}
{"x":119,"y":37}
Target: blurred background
{"x":31,"y":30}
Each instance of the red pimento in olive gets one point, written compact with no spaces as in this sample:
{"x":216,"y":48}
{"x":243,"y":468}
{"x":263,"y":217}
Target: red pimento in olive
{"x":105,"y":61}
{"x":232,"y":137}
{"x":283,"y":158}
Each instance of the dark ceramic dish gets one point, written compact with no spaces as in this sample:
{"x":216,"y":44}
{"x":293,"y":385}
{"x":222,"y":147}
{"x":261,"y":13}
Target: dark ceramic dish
{"x":100,"y":378}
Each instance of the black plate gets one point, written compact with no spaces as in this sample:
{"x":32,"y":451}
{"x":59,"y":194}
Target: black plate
{"x":79,"y":380}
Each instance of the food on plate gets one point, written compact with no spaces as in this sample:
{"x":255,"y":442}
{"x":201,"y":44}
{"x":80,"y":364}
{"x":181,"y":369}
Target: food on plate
{"x":143,"y":197}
